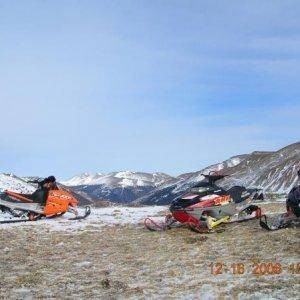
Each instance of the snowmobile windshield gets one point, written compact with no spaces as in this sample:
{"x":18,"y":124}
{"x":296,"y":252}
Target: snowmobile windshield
{"x":184,"y":201}
{"x":202,"y":183}
{"x":204,"y":188}
{"x":200,"y":189}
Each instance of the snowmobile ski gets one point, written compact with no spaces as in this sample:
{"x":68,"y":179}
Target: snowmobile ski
{"x":284,"y":221}
{"x":84,"y":216}
{"x":264,"y":224}
{"x":155,"y":224}
{"x":17,"y":221}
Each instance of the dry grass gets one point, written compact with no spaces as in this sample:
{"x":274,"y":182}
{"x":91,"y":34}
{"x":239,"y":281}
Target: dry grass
{"x":131,"y":262}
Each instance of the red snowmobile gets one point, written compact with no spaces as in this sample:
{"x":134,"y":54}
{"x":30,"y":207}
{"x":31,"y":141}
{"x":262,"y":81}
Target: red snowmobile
{"x":207,"y":205}
{"x":24,"y":207}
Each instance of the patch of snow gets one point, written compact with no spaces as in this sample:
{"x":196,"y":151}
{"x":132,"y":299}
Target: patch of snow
{"x":107,"y":216}
{"x":83,"y":264}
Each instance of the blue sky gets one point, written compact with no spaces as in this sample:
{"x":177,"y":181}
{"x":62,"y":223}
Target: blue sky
{"x":166,"y":86}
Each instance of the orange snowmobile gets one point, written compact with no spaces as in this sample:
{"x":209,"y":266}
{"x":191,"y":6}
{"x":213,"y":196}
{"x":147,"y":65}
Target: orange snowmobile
{"x":25,"y":208}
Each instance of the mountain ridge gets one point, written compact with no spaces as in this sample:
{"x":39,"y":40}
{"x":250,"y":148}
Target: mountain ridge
{"x":272,"y":171}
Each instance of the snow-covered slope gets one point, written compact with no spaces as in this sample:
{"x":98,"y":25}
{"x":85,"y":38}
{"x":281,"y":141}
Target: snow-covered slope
{"x":104,"y":216}
{"x":271,"y":171}
{"x":15,"y":184}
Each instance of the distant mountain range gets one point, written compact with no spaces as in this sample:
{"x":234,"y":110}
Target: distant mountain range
{"x":120,"y":187}
{"x":271,"y":171}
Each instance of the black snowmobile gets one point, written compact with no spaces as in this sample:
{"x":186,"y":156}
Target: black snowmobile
{"x":291,"y":218}
{"x":206,"y":205}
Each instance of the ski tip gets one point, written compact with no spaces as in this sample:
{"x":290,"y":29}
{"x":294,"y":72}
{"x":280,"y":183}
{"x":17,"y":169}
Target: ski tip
{"x":84,"y":216}
{"x":264,"y":225}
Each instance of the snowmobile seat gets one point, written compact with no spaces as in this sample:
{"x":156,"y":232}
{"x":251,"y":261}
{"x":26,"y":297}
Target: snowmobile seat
{"x":39,"y":196}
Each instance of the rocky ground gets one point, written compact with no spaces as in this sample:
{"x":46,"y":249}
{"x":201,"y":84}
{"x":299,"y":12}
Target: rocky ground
{"x":122,"y":260}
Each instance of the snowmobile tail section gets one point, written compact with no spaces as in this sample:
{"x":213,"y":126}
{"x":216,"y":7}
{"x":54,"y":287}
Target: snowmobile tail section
{"x":18,"y":196}
{"x":20,"y":206}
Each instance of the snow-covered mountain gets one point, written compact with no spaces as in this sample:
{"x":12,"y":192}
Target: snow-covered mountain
{"x":15,"y":184}
{"x":123,"y":187}
{"x":119,"y":179}
{"x":271,"y":171}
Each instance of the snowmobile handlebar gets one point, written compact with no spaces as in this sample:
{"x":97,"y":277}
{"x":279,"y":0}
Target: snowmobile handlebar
{"x":216,"y":173}
{"x":214,"y":176}
{"x":34,"y":181}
